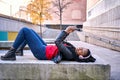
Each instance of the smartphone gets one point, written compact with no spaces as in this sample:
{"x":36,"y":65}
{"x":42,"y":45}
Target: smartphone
{"x":78,"y":27}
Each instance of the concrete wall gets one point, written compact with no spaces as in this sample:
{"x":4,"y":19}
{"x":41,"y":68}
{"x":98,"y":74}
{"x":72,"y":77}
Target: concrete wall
{"x":10,"y":26}
{"x":101,"y":7}
{"x":103,"y":24}
{"x":92,"y":3}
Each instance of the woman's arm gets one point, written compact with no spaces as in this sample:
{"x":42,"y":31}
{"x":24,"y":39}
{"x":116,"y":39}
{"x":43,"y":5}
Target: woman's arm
{"x":60,"y":39}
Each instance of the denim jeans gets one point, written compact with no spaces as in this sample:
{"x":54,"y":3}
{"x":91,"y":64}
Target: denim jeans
{"x":34,"y":41}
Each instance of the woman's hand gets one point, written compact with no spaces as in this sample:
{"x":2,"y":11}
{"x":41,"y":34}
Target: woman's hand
{"x":70,"y":29}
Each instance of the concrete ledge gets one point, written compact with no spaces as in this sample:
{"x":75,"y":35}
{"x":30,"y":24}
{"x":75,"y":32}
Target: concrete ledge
{"x":27,"y":67}
{"x":8,"y":44}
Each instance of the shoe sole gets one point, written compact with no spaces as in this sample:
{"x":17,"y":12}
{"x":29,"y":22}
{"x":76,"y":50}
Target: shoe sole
{"x":10,"y":59}
{"x":19,"y":54}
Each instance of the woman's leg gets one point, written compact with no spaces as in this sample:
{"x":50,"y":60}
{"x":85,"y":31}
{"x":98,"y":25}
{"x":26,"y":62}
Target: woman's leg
{"x":34,"y":42}
{"x":44,"y":43}
{"x":21,"y":47}
{"x":23,"y":44}
{"x":19,"y":51}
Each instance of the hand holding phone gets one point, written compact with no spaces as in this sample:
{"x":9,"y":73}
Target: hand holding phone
{"x":78,"y":28}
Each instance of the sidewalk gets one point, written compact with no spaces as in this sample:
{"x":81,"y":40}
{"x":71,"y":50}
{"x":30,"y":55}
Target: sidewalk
{"x":108,"y":56}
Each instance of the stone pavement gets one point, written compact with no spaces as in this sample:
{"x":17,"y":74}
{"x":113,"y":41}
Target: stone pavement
{"x":105,"y":55}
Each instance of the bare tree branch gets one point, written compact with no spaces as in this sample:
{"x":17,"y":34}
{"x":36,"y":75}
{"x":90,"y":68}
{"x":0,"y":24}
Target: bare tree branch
{"x":60,"y":5}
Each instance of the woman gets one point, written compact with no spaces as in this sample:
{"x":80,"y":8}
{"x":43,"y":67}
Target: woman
{"x":60,"y":51}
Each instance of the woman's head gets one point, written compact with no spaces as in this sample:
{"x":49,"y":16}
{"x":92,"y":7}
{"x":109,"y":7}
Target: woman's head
{"x":82,"y":51}
{"x":84,"y":54}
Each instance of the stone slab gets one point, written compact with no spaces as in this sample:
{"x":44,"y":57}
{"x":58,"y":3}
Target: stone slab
{"x":27,"y":67}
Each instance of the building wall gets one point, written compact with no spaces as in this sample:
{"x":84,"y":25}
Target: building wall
{"x":101,"y":7}
{"x":75,"y":13}
{"x":103,"y":24}
{"x":91,"y":3}
{"x":106,"y":13}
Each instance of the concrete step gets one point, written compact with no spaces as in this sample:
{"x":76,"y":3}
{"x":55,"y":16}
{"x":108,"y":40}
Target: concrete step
{"x":8,"y":44}
{"x":27,"y":67}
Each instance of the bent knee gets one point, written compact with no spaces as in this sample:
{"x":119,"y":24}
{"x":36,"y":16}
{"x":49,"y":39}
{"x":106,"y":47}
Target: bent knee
{"x":25,"y":29}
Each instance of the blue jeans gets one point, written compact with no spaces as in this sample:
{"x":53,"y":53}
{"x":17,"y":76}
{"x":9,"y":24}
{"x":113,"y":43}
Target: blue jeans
{"x":34,"y":41}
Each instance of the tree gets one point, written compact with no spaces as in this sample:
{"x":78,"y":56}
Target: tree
{"x":38,"y":10}
{"x":60,"y":5}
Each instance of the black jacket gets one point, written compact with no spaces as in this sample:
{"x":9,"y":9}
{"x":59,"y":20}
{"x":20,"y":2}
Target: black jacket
{"x":67,"y":50}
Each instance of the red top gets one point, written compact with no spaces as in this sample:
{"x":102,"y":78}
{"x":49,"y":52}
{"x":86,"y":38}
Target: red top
{"x":51,"y":51}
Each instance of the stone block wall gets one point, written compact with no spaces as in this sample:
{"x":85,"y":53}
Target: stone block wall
{"x":46,"y":70}
{"x":103,"y":25}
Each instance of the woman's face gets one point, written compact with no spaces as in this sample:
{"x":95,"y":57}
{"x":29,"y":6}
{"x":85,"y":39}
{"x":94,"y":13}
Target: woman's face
{"x":81,"y":51}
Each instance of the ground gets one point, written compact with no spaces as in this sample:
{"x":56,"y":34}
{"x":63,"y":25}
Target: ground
{"x":108,"y":56}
